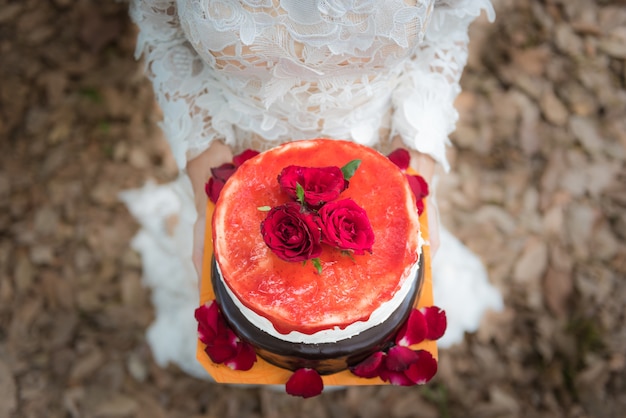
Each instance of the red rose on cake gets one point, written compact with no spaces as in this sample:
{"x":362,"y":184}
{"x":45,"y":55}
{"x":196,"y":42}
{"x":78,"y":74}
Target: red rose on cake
{"x":295,"y":231}
{"x":293,"y":235}
{"x":319,"y":184}
{"x":345,"y":225}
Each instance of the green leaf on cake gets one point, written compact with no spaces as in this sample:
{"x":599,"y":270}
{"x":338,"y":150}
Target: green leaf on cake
{"x":300,"y":193}
{"x":264,"y":208}
{"x":349,"y":254}
{"x":349,"y":169}
{"x":317,"y":264}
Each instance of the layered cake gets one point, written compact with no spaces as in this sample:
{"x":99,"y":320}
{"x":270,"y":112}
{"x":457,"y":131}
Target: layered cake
{"x":329,"y":297}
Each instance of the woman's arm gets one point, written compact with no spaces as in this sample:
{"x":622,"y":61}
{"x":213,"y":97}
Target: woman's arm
{"x":424,"y":113}
{"x":199,"y":171}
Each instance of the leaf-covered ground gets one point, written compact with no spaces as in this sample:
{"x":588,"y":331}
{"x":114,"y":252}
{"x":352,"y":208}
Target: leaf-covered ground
{"x":538,"y":191}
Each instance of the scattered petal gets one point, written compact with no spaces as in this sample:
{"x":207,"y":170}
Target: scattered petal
{"x":418,"y":186}
{"x":244,"y":156}
{"x":222,"y":344}
{"x":414,"y":329}
{"x":220,"y":174}
{"x":223,"y":347}
{"x":400,"y":157}
{"x":220,"y":353}
{"x":396,"y":378}
{"x":224,"y":171}
{"x":436,"y":322}
{"x":423,"y":369}
{"x":207,"y":316}
{"x":420,"y":206}
{"x":400,"y":358}
{"x":213,"y":188}
{"x":370,"y":367}
{"x":405,"y":367}
{"x":244,"y":359}
{"x":305,"y":383}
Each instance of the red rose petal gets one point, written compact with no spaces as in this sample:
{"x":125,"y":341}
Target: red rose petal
{"x":244,"y":156}
{"x":420,"y":206}
{"x":305,"y":383}
{"x":399,"y":358}
{"x":220,"y":174}
{"x":414,"y":329}
{"x":208,"y":317}
{"x":370,"y":367}
{"x":423,"y":369}
{"x":213,"y":188}
{"x":244,"y":359}
{"x":401,"y":158}
{"x":224,"y":171}
{"x":436,"y":322}
{"x":396,"y":378}
{"x":223,"y":348}
{"x":219,"y":353}
{"x":418,"y":186}
{"x":205,"y":334}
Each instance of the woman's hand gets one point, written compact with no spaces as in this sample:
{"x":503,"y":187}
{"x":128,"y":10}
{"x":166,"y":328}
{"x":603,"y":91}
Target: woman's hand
{"x":199,"y":171}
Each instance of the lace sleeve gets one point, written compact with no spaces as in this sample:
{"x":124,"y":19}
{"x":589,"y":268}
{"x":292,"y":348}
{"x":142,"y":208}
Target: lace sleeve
{"x":180,"y":78}
{"x":424,"y":112}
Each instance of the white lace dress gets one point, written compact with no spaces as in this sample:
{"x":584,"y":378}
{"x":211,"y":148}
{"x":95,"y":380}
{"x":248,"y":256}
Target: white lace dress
{"x":257,"y":73}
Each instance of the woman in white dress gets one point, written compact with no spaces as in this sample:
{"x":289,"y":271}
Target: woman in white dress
{"x":236,"y":74}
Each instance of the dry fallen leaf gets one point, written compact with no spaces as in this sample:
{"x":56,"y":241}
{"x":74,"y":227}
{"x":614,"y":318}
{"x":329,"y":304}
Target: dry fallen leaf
{"x":8,"y":389}
{"x":557,"y":290}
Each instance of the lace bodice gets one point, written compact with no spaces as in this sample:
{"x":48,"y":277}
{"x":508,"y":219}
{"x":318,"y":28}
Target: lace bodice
{"x":256,"y":73}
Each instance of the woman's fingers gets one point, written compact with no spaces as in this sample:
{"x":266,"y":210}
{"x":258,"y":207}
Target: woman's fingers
{"x":433,"y":226}
{"x":198,"y":244}
{"x":199,"y":171}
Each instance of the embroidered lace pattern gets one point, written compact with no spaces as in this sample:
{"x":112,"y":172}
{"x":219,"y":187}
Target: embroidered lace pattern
{"x":256,"y":73}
